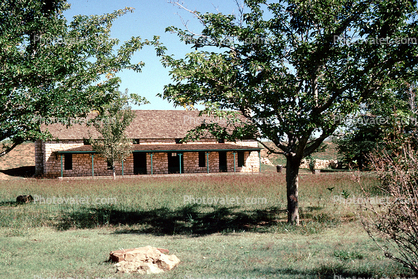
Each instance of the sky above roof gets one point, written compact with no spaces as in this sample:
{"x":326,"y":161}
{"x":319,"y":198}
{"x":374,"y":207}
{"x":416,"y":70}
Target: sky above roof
{"x":150,"y":18}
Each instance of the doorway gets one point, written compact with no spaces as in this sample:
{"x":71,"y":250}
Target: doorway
{"x":174,"y":163}
{"x":140,"y":163}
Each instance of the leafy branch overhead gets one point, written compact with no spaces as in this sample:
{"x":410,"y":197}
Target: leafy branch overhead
{"x":294,"y":69}
{"x":55,"y":68}
{"x":297,"y":67}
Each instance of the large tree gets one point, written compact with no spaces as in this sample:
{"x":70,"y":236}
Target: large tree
{"x":51,"y":68}
{"x":294,"y":69}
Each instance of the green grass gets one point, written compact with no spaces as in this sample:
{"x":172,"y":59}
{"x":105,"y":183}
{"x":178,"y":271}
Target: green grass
{"x":83,"y":253}
{"x":236,"y":240}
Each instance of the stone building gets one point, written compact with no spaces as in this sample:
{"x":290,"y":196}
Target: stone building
{"x":156,"y":149}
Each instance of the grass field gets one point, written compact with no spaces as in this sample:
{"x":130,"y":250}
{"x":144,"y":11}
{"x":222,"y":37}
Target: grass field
{"x":247,"y":238}
{"x":74,"y":224}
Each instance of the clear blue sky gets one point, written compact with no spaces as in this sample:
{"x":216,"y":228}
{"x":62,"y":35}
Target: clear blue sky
{"x":150,"y":18}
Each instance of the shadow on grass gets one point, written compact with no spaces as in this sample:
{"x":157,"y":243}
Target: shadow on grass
{"x":27,"y":171}
{"x":337,"y":270}
{"x":9,"y":203}
{"x":188,"y":220}
{"x":336,"y":170}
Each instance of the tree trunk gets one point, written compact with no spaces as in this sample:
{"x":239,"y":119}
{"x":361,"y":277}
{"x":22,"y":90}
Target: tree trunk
{"x":292,"y":173}
{"x":114,"y":172}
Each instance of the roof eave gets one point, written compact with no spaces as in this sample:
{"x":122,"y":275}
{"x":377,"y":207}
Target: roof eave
{"x":168,"y":150}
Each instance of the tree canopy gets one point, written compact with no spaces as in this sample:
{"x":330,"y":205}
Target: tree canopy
{"x":386,"y":123}
{"x":54,"y":68}
{"x":295,"y":69}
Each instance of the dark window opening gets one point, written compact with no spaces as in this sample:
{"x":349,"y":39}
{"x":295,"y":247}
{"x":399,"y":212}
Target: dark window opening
{"x":241,"y":162}
{"x":68,"y":161}
{"x":178,"y":141}
{"x":202,"y":159}
{"x":135,"y":141}
{"x":222,"y":162}
{"x":109,"y":165}
{"x":221,"y":140}
{"x":86,"y":142}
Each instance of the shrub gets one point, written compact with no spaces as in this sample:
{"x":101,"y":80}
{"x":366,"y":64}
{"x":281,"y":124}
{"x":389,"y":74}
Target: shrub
{"x":393,"y":224}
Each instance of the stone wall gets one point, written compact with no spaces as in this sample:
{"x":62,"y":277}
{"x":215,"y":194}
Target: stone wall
{"x":266,"y":161}
{"x":39,"y":157}
{"x":157,"y":141}
{"x":82,"y":166}
{"x":251,"y":143}
{"x":173,"y":141}
{"x":191,"y":163}
{"x":159,"y":163}
{"x":252,"y":162}
{"x":320,"y":164}
{"x":51,"y":160}
{"x":82,"y":163}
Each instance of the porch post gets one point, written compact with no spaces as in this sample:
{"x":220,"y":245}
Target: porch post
{"x":234,"y":161}
{"x":62,"y":171}
{"x":180,"y":154}
{"x":259,"y":161}
{"x":207,"y":161}
{"x":92,"y":165}
{"x":151,"y":162}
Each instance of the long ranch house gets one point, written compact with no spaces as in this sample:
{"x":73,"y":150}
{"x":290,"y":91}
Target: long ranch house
{"x":156,"y":149}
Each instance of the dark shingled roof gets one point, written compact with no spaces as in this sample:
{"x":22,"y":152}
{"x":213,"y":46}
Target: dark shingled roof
{"x":148,"y":124}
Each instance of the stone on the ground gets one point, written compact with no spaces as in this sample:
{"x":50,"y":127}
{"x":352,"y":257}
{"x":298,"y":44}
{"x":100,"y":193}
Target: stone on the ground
{"x":24,"y":199}
{"x":143,"y":260}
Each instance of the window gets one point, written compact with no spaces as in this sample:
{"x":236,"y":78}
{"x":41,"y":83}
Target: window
{"x":221,"y":140}
{"x":68,"y":161}
{"x":135,"y":141}
{"x":109,"y":165}
{"x":178,"y":141}
{"x":202,"y":159}
{"x":241,"y":162}
{"x":86,"y":141}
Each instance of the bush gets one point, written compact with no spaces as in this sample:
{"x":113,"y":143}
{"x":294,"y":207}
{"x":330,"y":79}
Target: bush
{"x":393,"y":224}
